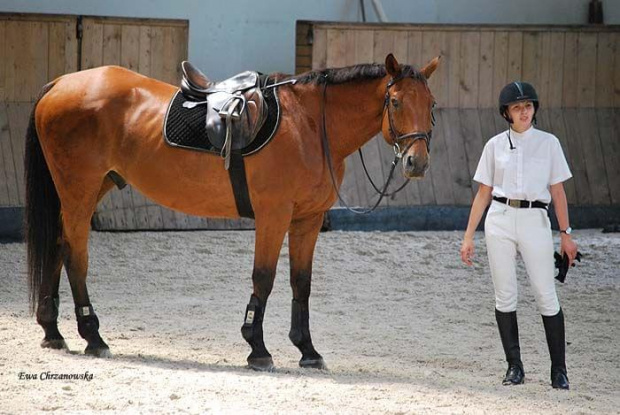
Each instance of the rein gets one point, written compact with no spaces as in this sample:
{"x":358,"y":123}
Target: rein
{"x":398,"y":153}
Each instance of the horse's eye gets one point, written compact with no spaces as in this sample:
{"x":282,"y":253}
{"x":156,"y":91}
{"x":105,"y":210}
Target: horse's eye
{"x":394,"y":102}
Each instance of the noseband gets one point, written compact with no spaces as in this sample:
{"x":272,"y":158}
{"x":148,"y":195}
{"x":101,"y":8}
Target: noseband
{"x":398,"y":153}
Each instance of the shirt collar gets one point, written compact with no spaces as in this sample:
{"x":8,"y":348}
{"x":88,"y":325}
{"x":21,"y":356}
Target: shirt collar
{"x":524,"y":134}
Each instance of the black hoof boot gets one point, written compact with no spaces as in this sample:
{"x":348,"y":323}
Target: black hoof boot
{"x":47,"y":317}
{"x":514,"y":376}
{"x":559,"y":380}
{"x":252,"y":332}
{"x":300,"y":336}
{"x":88,"y":327}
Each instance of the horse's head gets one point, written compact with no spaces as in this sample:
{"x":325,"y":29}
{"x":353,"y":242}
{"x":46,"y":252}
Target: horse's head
{"x":407,"y":117}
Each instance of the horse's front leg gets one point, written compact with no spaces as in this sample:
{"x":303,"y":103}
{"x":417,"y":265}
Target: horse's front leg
{"x":270,"y":230}
{"x":303,"y":234}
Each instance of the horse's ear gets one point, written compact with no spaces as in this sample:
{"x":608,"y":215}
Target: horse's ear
{"x":430,"y":67}
{"x":392,"y":66}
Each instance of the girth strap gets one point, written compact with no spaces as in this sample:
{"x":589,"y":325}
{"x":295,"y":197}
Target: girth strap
{"x":240,"y":185}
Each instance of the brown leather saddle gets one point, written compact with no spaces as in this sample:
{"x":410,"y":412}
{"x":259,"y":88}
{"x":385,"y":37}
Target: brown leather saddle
{"x":236,"y":107}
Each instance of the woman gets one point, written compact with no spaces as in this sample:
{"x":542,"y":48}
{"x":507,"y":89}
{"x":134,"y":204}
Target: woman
{"x":520,"y":171}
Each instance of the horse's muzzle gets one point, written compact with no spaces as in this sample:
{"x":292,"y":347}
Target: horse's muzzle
{"x":414,"y":166}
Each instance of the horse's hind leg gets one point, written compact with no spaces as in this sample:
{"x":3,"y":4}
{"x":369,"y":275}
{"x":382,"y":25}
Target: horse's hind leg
{"x":77,"y":212}
{"x":47,"y":310}
{"x":270,"y":233}
{"x":302,"y":237}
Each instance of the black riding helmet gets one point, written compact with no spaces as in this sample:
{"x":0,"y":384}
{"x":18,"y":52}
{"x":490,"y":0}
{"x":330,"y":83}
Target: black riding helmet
{"x":515,"y":92}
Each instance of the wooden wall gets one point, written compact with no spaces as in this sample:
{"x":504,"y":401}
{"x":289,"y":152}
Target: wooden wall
{"x":576,"y":71}
{"x":35,"y":49}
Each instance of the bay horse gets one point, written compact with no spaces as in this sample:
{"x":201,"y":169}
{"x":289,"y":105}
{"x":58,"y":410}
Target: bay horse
{"x":88,"y":125}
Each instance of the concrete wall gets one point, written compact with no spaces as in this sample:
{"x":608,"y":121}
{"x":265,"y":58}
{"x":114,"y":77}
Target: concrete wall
{"x":229,"y":36}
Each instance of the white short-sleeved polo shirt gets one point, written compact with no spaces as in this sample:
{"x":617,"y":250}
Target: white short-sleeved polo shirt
{"x":525,"y":172}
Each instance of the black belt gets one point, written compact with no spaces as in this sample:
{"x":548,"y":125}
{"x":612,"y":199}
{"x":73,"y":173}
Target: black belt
{"x":516,"y":203}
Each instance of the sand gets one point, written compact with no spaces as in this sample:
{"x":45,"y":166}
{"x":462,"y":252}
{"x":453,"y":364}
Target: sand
{"x":403,"y":326}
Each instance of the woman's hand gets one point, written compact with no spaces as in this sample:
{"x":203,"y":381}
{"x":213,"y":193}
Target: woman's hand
{"x":467,"y":250}
{"x":570,"y":247}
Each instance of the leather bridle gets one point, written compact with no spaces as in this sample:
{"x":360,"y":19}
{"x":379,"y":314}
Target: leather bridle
{"x":398,"y":152}
{"x":399,"y":138}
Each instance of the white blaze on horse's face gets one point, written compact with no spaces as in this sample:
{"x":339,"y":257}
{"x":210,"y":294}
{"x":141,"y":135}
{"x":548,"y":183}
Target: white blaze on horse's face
{"x":408,"y":119}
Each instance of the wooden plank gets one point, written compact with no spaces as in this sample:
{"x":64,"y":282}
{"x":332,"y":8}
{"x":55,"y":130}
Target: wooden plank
{"x":3,"y":60}
{"x":470,"y":69}
{"x":18,"y":117}
{"x":441,"y":174}
{"x":144,"y":61}
{"x":604,"y":70}
{"x":570,"y":67}
{"x":457,"y":155}
{"x":39,"y":59}
{"x":532,"y":52}
{"x":92,"y":44}
{"x":575,"y":140}
{"x":555,"y":117}
{"x":71,"y":47}
{"x":348,"y":188}
{"x":593,"y":155}
{"x":609,"y":132}
{"x":157,"y":53}
{"x":434,"y":44}
{"x":454,"y":68}
{"x":130,"y":47}
{"x":319,"y":49}
{"x":546,"y":68}
{"x":336,"y":48}
{"x":616,"y":84}
{"x":586,"y":75}
{"x":57,"y":50}
{"x":472,"y":137}
{"x":486,"y":98}
{"x":111,"y":45}
{"x":556,"y":74}
{"x":500,"y":63}
{"x":515,"y":57}
{"x":12,"y":50}
{"x":127,"y":202}
{"x":414,"y":49}
{"x":9,"y":195}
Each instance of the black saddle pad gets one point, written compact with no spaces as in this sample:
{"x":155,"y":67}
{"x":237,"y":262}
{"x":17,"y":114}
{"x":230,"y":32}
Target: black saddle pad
{"x":186,"y":128}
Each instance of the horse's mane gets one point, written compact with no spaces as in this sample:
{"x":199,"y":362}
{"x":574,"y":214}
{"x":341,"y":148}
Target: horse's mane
{"x":353,"y":73}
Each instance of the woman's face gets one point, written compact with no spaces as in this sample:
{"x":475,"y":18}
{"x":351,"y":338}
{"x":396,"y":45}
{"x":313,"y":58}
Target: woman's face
{"x":521,"y":114}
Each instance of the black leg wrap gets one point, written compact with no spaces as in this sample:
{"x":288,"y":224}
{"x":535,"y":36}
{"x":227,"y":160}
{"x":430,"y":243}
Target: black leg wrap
{"x":300,"y":336}
{"x":88,"y":327}
{"x":47,"y":317}
{"x":252,"y":329}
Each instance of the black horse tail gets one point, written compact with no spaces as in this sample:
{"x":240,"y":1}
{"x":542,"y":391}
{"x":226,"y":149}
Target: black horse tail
{"x":42,"y":227}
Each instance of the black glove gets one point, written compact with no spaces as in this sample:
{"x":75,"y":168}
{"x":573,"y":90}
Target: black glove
{"x":561,"y":263}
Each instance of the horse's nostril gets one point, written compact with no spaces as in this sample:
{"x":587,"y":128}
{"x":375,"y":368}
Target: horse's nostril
{"x":409,"y":161}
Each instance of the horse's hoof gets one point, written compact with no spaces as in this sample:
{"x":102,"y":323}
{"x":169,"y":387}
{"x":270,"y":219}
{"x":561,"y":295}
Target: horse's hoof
{"x":261,"y":364}
{"x":103,"y":352}
{"x":313,"y":363}
{"x":56,"y":344}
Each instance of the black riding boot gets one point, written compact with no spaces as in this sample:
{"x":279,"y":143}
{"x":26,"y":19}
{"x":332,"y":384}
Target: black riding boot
{"x":509,"y":333}
{"x":554,"y":330}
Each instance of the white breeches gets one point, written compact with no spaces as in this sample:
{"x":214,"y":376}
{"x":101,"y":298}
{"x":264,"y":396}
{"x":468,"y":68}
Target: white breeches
{"x":528,"y":231}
